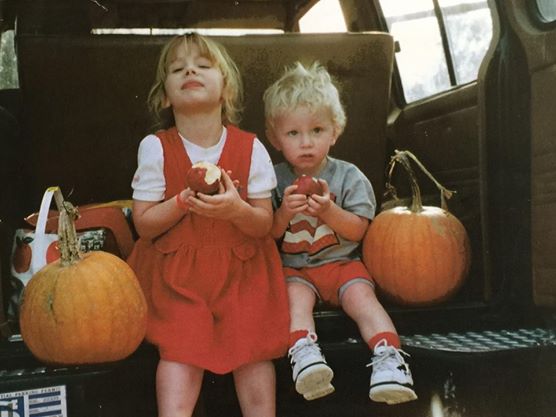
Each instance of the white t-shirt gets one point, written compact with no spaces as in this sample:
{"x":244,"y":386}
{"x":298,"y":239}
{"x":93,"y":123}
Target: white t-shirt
{"x":149,"y":183}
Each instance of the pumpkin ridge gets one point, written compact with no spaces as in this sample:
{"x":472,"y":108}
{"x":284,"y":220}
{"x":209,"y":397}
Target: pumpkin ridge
{"x":114,"y":351}
{"x":51,"y":299}
{"x":437,"y":250}
{"x":95,"y":291}
{"x":391,"y":243}
{"x":46,"y":324}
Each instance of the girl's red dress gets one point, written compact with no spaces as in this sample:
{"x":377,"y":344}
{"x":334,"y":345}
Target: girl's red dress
{"x":217,"y":297}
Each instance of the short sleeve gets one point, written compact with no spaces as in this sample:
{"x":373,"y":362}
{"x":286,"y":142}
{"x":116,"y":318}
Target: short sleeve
{"x":148,"y":182}
{"x":262,"y":179}
{"x":359,"y":197}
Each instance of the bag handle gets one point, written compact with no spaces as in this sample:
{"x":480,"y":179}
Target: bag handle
{"x":5,"y":330}
{"x":40,"y":243}
{"x":107,"y":215}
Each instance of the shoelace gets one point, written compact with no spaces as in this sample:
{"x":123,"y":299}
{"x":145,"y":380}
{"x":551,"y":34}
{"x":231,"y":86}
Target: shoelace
{"x":389,"y":352}
{"x":308,"y":348}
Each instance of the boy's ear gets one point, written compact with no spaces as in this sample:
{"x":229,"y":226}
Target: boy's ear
{"x":337,"y":133}
{"x":272,"y":139}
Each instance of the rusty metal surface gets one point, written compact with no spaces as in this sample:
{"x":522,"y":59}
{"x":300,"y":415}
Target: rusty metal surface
{"x":483,"y":341}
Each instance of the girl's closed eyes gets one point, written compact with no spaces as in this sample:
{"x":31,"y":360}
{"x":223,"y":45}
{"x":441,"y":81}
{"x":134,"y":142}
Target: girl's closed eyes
{"x":179,"y":65}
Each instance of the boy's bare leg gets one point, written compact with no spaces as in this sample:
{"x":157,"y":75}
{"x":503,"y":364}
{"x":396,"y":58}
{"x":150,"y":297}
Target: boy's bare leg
{"x":311,"y":373}
{"x":360,"y":303}
{"x":302,"y":301}
{"x":391,"y":380}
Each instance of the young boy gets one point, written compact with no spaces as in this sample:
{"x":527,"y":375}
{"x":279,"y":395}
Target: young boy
{"x":320,"y":234}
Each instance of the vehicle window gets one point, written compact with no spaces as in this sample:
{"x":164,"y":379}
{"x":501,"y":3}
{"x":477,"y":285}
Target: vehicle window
{"x":442,"y":42}
{"x":547,"y":10}
{"x":8,"y":65}
{"x":171,"y":31}
{"x":325,"y":16}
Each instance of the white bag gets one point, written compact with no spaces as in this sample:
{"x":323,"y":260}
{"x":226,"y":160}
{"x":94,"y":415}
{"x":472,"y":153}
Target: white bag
{"x":103,"y":226}
{"x":33,"y":249}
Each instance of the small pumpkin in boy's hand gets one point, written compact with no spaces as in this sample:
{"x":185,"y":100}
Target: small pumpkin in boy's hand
{"x":204,"y":177}
{"x":307,"y":185}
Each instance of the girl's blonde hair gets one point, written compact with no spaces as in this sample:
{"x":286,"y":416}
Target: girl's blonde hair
{"x":232,"y":87}
{"x":312,"y":87}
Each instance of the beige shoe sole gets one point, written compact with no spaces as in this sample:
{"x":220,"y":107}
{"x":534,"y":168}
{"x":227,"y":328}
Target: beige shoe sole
{"x":392,"y":394}
{"x":321,"y":392}
{"x":314,"y":382}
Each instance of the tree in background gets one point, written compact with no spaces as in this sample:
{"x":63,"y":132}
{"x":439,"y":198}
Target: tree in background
{"x":8,"y":64}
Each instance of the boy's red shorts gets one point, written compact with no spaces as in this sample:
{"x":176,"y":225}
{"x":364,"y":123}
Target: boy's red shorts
{"x":329,"y":281}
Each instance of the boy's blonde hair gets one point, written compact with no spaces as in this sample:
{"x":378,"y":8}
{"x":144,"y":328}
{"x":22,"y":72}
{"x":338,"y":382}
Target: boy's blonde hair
{"x":312,"y":87}
{"x":217,"y":54}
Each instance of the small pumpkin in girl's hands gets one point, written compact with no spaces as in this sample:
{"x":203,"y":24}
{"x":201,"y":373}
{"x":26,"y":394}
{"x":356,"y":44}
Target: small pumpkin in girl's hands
{"x":204,"y":177}
{"x":307,"y":185}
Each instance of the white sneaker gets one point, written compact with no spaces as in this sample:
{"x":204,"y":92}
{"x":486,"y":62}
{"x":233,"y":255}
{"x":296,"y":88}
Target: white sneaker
{"x":311,"y":373}
{"x":391,"y":380}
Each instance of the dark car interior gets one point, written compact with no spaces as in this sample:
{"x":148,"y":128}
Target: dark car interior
{"x":79,"y":112}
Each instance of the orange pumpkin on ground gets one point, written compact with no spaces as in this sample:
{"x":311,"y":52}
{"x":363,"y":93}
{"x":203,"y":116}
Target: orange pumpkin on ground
{"x":82,"y":308}
{"x":417,"y":255}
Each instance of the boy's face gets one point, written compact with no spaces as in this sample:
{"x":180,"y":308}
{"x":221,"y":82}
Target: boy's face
{"x":304,"y":137}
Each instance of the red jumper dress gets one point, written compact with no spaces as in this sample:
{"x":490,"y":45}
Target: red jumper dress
{"x":217,"y":297}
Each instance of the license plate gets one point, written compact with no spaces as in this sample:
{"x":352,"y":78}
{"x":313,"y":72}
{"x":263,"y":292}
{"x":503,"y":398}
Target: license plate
{"x":43,"y":402}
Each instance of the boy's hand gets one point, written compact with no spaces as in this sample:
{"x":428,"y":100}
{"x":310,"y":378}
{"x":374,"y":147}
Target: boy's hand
{"x":293,"y":203}
{"x":317,"y":205}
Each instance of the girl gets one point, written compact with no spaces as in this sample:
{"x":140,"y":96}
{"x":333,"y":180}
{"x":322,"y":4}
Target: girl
{"x":209,"y":269}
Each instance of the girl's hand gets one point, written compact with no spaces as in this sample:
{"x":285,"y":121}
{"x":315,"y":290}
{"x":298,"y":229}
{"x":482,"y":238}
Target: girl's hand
{"x":317,"y":205}
{"x":185,"y":194}
{"x":223,"y":205}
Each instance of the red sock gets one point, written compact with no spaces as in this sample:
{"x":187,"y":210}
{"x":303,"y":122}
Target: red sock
{"x":391,"y":339}
{"x":296,"y":335}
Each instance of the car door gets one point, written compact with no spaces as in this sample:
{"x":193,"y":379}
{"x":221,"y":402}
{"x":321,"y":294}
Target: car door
{"x":435,"y":113}
{"x":488,"y":137}
{"x":525,"y":98}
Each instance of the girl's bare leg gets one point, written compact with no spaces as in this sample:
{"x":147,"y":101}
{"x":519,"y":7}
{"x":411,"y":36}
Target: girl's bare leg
{"x":177,"y":388}
{"x":256,"y":389}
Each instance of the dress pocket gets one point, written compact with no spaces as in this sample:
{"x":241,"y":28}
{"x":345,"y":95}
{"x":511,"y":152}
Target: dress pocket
{"x":245,"y":251}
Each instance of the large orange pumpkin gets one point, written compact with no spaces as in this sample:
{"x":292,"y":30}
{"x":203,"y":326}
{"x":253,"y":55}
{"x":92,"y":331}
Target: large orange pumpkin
{"x":418,"y":255}
{"x":82,"y":308}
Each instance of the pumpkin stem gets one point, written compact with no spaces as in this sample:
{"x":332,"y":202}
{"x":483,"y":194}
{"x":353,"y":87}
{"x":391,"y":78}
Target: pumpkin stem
{"x":67,"y":235}
{"x":403,"y":158}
